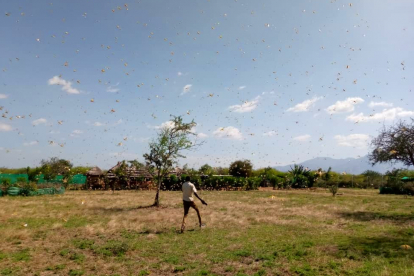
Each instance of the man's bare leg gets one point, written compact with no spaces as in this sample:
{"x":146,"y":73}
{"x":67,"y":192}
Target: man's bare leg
{"x":198,"y":214}
{"x":183,"y":224}
{"x":186,"y":210}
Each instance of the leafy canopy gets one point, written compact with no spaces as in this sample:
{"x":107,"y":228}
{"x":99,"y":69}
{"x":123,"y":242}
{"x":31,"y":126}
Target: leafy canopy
{"x":394,"y":144}
{"x":206,"y":170}
{"x":54,"y":167}
{"x":241,"y":168}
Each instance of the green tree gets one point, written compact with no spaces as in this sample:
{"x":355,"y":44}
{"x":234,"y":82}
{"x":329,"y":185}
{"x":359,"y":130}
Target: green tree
{"x":206,"y":170}
{"x":54,"y":167}
{"x":327,"y":175}
{"x":80,"y":170}
{"x":135,"y":164}
{"x":122,"y":175}
{"x":34,"y":174}
{"x":241,"y":168}
{"x":269,"y":175}
{"x":302,"y":177}
{"x":371,"y":173}
{"x":13,"y":171}
{"x":394,"y":144}
{"x":221,"y":171}
{"x":167,"y":148}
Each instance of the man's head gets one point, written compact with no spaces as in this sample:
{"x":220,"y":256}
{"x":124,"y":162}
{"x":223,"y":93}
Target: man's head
{"x":187,"y":178}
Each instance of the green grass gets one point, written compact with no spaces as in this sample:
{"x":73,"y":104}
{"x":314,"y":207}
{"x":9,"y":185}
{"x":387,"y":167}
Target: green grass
{"x":247,"y":233}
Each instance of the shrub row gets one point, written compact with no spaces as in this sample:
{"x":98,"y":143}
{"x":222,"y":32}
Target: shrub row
{"x":173,"y":183}
{"x":398,"y":188}
{"x":29,"y":189}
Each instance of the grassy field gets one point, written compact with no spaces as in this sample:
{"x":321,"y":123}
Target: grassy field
{"x":248,"y":233}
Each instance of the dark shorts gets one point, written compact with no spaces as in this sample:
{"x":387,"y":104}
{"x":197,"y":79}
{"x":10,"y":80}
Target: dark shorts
{"x":187,"y":205}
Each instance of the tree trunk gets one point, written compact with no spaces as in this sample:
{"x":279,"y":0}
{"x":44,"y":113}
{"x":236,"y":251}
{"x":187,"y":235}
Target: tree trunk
{"x":157,"y":195}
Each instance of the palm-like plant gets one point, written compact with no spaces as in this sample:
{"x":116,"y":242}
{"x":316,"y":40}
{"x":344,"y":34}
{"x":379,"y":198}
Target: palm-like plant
{"x":301,"y":177}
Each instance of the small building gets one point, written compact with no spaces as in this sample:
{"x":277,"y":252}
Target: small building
{"x":176,"y":171}
{"x":121,"y":176}
{"x":95,"y":179}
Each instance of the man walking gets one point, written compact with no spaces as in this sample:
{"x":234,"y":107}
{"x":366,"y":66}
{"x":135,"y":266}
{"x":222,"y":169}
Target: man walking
{"x":188,"y":201}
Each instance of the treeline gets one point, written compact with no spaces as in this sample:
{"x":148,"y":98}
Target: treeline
{"x":240,"y":175}
{"x":228,"y":183}
{"x":300,"y":177}
{"x":33,"y":172}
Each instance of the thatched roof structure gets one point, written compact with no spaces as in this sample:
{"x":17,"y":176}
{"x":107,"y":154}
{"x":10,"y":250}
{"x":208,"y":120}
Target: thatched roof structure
{"x":95,"y":171}
{"x":134,"y":172}
{"x":177,"y":171}
{"x":131,"y":172}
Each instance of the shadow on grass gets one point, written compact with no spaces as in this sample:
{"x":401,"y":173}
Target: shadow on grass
{"x":126,"y":209}
{"x":359,"y":248}
{"x":370,"y":216}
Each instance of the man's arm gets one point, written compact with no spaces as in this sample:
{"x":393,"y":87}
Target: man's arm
{"x":202,"y":201}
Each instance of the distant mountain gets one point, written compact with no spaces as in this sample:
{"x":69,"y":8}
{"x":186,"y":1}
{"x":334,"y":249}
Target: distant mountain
{"x":348,"y":165}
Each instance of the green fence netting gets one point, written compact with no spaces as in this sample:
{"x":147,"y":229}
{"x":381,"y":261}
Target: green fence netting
{"x":76,"y":179}
{"x":13,"y":177}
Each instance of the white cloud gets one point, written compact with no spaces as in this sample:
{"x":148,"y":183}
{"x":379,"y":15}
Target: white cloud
{"x":382,"y":104}
{"x":98,"y":124}
{"x":39,"y":121}
{"x":246,"y":106}
{"x":186,"y":89}
{"x":179,"y":74}
{"x":353,"y":140}
{"x":386,"y":115}
{"x":3,"y":96}
{"x":170,"y":124}
{"x":120,"y":121}
{"x":305,"y":105}
{"x":32,"y":143}
{"x":347,"y":105}
{"x":112,"y":89}
{"x":242,"y":87}
{"x":167,"y":124}
{"x":202,"y":135}
{"x":228,"y":132}
{"x":5,"y":127}
{"x":270,"y":133}
{"x":76,"y":133}
{"x":66,"y":85}
{"x":302,"y":138}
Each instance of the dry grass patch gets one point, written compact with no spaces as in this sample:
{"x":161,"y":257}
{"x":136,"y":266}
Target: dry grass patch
{"x":248,"y":233}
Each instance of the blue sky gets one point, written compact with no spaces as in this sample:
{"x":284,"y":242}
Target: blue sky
{"x":275,"y":82}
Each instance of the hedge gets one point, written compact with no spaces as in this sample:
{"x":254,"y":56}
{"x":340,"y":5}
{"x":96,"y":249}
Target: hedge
{"x":173,"y":183}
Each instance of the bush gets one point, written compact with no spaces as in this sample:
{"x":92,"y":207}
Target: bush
{"x":409,"y":188}
{"x":397,"y":187}
{"x":333,"y":189}
{"x":27,"y":188}
{"x":6,"y":183}
{"x":253,"y":183}
{"x":230,"y":183}
{"x":277,"y":182}
{"x":21,"y":180}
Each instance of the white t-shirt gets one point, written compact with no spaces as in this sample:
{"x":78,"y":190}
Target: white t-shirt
{"x":188,"y":190}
